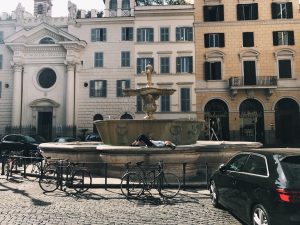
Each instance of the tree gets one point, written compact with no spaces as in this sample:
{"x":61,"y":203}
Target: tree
{"x":159,"y":2}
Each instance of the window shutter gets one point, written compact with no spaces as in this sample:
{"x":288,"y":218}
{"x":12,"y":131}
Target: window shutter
{"x":139,"y":34}
{"x":255,"y":11}
{"x":127,"y":84}
{"x":207,"y":70}
{"x":178,"y":65}
{"x":274,"y":7}
{"x":289,"y":6}
{"x":239,"y":12}
{"x":221,"y":12}
{"x":291,"y":38}
{"x":218,"y":70}
{"x":190,"y":34}
{"x":151,"y":34}
{"x":119,"y":87}
{"x":104,"y":90}
{"x":130,"y":34}
{"x":206,"y":40}
{"x":222,"y":40}
{"x":275,"y":38}
{"x":206,"y":14}
{"x":92,"y":88}
{"x":93,"y":35}
{"x":151,"y":62}
{"x":190,"y":64}
{"x":104,"y":34}
{"x":177,"y":34}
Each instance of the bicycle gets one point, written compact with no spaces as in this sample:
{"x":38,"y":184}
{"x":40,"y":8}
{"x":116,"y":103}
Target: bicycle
{"x":65,"y":173}
{"x":13,"y":159}
{"x":141,"y":179}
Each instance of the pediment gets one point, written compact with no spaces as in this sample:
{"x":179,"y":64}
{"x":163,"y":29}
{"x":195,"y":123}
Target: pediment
{"x":36,"y":34}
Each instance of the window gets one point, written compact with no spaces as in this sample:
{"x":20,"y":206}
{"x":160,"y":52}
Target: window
{"x":213,"y":13}
{"x":125,"y":59}
{"x":98,"y":88}
{"x":127,"y":33}
{"x":213,"y":71}
{"x":98,"y":34}
{"x":139,"y":104}
{"x":285,"y":68}
{"x":256,"y":165}
{"x":184,"y":34}
{"x":121,"y":85}
{"x":40,"y":9}
{"x":165,"y":103}
{"x":1,"y":62}
{"x":247,"y":11}
{"x":236,"y":164}
{"x":215,"y":40}
{"x":47,"y":78}
{"x":282,"y":10}
{"x":248,"y":39}
{"x":98,"y":60}
{"x":113,"y":4}
{"x":145,"y":34}
{"x":47,"y":40}
{"x":164,"y":65}
{"x":142,"y":63}
{"x":283,"y":38}
{"x":1,"y":37}
{"x":185,"y":100}
{"x":164,"y":34}
{"x":184,"y":64}
{"x":125,"y":4}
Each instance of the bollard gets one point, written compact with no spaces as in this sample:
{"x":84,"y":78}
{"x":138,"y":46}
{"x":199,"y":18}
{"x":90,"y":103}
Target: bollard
{"x":184,"y":176}
{"x":105,"y":167}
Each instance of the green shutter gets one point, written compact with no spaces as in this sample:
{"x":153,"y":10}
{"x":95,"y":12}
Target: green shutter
{"x":289,"y":6}
{"x":139,"y":35}
{"x":177,"y":33}
{"x":275,"y":38}
{"x":92,"y":88}
{"x":178,"y":65}
{"x":104,"y":90}
{"x":93,"y":35}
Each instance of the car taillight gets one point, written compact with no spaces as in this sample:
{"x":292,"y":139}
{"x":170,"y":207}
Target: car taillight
{"x":289,"y":195}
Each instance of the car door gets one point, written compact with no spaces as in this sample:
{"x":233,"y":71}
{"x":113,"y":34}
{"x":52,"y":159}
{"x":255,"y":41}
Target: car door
{"x":251,"y":184}
{"x":228,"y":192}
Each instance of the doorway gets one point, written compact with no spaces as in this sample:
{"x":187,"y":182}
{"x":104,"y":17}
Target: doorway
{"x":45,"y":125}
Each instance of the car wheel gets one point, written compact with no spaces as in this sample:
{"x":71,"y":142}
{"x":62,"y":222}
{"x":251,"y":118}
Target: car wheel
{"x":260,"y":216}
{"x":214,"y":195}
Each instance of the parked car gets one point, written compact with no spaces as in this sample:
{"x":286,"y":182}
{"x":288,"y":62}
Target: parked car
{"x":260,"y":186}
{"x":92,"y":137}
{"x":65,"y":139}
{"x":18,"y":142}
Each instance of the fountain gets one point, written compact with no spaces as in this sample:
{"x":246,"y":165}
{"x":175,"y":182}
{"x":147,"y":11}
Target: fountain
{"x":117,"y":135}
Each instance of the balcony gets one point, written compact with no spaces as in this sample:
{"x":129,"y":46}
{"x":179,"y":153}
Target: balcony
{"x":267,"y":83}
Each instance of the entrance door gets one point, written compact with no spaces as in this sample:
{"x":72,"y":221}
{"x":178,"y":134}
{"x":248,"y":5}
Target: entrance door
{"x":45,"y":125}
{"x":249,"y":73}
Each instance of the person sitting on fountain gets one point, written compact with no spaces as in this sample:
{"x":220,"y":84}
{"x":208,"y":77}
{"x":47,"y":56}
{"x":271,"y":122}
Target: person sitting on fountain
{"x":144,"y":140}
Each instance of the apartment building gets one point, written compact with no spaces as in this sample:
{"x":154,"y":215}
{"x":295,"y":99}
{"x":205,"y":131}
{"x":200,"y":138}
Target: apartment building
{"x":248,"y":69}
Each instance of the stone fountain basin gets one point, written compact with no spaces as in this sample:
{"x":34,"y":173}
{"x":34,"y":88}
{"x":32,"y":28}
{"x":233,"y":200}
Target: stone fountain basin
{"x":124,"y":132}
{"x":96,"y":154}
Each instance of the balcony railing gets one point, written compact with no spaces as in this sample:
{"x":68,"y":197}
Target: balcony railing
{"x":112,"y":13}
{"x":267,"y":83}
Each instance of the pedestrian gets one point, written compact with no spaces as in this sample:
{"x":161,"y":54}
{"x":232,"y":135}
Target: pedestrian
{"x":144,"y":140}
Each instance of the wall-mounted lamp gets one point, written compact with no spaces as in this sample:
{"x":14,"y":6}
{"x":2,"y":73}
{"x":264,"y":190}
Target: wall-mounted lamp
{"x":85,"y":84}
{"x":6,"y":85}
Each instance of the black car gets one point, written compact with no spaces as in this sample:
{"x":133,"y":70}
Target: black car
{"x":260,"y":187}
{"x":18,"y":142}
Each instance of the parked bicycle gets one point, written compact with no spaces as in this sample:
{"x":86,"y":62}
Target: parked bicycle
{"x":12,"y":160}
{"x":141,"y":179}
{"x":65,"y":173}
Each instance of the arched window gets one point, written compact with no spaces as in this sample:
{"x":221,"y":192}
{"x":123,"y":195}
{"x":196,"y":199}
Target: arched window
{"x":47,"y":40}
{"x":113,"y":4}
{"x":96,"y":117}
{"x":126,"y":116}
{"x":125,"y":4}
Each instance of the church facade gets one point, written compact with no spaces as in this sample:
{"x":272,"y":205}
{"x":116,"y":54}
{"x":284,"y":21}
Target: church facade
{"x":58,"y":75}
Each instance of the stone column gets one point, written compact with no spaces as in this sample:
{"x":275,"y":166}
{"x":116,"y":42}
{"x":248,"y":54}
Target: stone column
{"x":17,"y":95}
{"x":70,"y":95}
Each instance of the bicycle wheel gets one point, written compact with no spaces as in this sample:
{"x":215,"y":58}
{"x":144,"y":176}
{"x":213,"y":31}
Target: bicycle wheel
{"x":168,"y":185}
{"x":49,"y":180}
{"x":81,"y":180}
{"x":132,"y":185}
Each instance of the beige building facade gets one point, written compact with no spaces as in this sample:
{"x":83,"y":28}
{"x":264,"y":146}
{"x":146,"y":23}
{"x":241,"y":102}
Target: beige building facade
{"x":248,"y":69}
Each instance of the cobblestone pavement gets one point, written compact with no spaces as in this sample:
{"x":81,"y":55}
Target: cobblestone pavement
{"x":23,"y":202}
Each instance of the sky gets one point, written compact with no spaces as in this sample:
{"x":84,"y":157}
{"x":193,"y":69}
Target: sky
{"x":59,"y":8}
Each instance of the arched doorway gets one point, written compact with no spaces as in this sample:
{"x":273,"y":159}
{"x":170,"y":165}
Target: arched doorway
{"x":96,"y":117}
{"x":126,"y":116}
{"x":252,"y":121}
{"x":287,"y":121}
{"x":216,"y":116}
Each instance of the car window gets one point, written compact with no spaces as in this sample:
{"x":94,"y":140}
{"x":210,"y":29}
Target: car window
{"x":29,"y":139}
{"x":237,"y":162}
{"x":9,"y":138}
{"x":291,"y":166}
{"x":256,"y":165}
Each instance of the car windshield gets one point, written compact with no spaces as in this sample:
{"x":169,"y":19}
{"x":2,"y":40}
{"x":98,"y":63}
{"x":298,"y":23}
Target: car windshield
{"x":30,"y":139}
{"x":291,"y":166}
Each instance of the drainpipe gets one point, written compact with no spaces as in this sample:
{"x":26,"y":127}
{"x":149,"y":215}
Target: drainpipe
{"x":21,"y":105}
{"x":74,"y":101}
